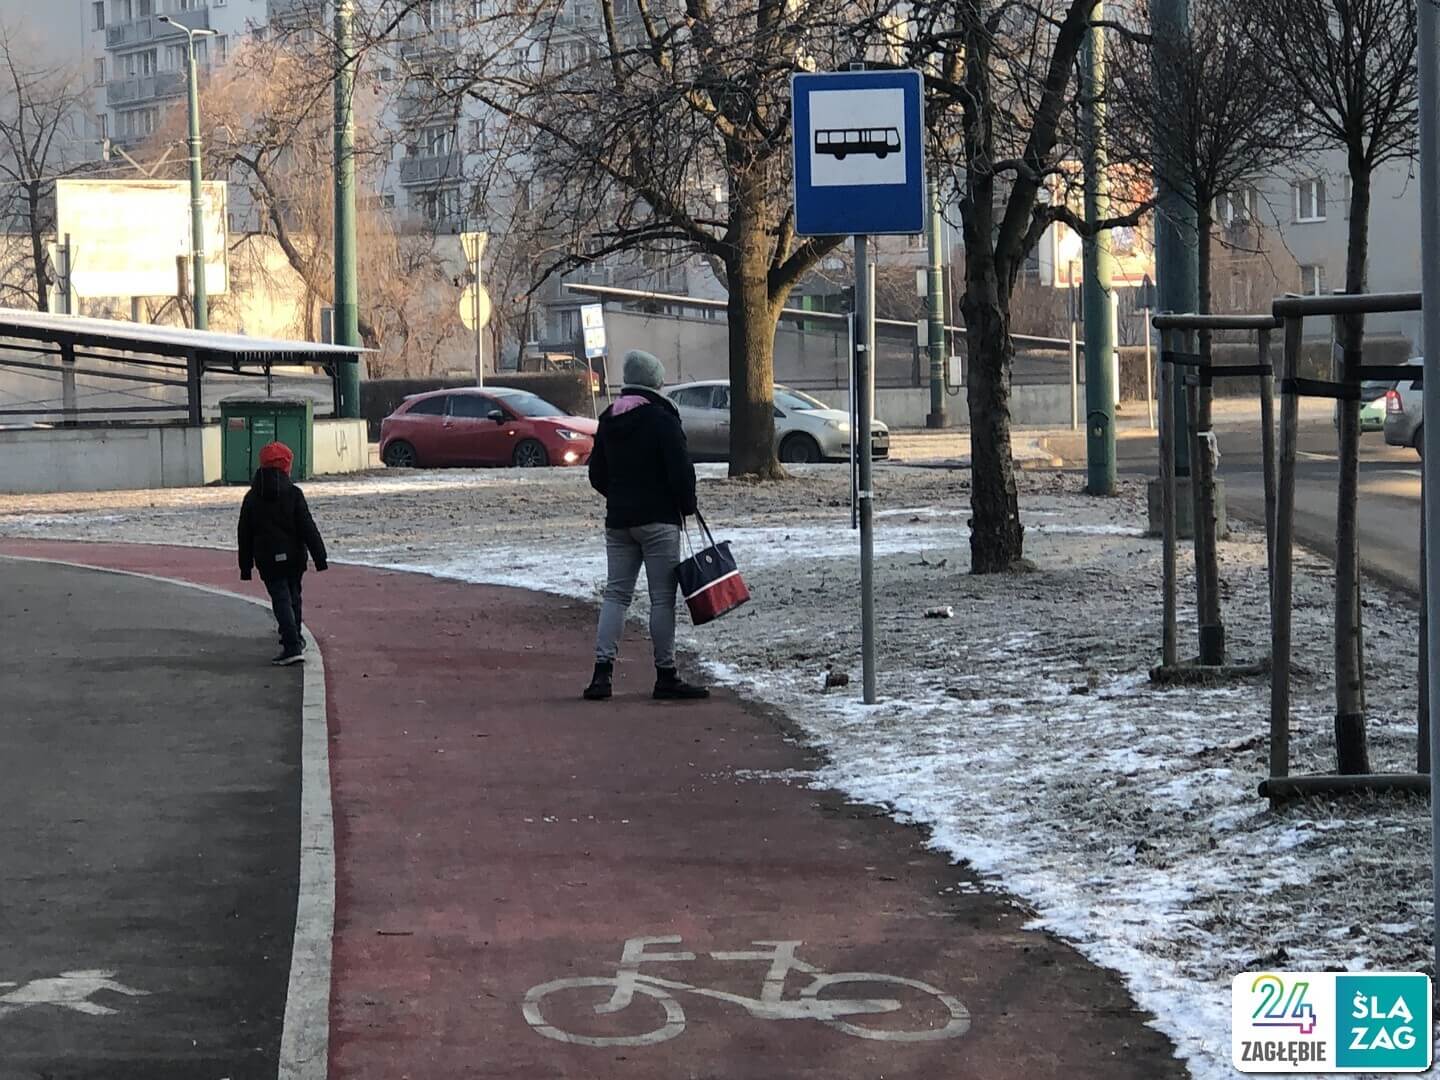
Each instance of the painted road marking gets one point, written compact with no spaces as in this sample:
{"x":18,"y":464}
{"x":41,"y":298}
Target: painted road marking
{"x":70,"y":990}
{"x":771,"y":1004}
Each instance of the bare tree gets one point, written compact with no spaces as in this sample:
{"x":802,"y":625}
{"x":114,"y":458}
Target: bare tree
{"x":268,"y":128}
{"x":1352,"y":63}
{"x":42,"y":128}
{"x":1212,"y":114}
{"x":1001,"y":105}
{"x":666,"y":128}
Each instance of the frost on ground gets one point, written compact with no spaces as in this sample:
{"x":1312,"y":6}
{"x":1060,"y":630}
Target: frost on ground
{"x":1023,"y":733}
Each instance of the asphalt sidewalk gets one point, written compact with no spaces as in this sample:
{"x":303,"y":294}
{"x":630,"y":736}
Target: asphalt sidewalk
{"x":150,"y":773}
{"x":530,"y":886}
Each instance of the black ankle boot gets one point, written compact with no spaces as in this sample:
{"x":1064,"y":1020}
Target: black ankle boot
{"x":670,"y":687}
{"x":600,"y":688}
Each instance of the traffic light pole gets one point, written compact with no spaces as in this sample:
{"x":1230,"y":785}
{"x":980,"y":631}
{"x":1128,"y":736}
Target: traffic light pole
{"x":347,"y":306}
{"x":1099,"y":274}
{"x":1177,"y":261}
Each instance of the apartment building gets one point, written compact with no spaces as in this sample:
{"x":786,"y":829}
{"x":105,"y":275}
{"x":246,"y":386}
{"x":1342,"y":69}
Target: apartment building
{"x":139,"y":62}
{"x":1309,"y":211}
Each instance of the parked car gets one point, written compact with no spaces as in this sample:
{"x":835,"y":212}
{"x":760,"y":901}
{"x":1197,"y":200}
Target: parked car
{"x":1404,"y":414}
{"x":1372,"y":406}
{"x":489,"y":426}
{"x":806,"y":429}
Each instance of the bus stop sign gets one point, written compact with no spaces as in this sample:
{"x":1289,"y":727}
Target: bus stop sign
{"x":859,"y":153}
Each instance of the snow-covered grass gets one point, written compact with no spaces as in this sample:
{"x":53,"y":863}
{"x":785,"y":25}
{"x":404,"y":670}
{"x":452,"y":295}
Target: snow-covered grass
{"x":1023,"y":734}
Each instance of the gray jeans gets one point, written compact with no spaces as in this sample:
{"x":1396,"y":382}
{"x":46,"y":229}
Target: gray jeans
{"x":657,"y":548}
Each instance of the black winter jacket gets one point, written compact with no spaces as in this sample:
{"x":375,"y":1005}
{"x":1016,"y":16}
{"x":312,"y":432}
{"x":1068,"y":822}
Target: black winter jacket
{"x":276,"y":530}
{"x":641,"y":463}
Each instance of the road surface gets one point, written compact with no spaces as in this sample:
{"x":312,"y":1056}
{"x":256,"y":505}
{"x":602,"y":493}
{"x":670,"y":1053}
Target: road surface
{"x":1389,"y":491}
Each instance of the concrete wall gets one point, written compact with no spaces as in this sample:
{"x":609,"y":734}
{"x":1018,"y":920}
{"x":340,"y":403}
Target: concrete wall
{"x":1030,"y":406}
{"x":341,"y":446}
{"x":130,"y":458}
{"x":108,"y":459}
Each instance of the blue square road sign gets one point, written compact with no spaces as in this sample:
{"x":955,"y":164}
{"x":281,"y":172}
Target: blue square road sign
{"x":859,"y":153}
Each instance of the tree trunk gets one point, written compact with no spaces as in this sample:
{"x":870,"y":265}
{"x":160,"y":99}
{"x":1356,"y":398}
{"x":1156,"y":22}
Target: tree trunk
{"x":1350,"y":739}
{"x":1207,"y":551}
{"x":751,"y":317}
{"x":37,"y":248}
{"x":996,"y":536}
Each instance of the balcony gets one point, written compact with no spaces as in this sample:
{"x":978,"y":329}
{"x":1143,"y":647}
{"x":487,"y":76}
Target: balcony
{"x":429,"y":44}
{"x":426,"y":169}
{"x":164,"y":84}
{"x":148,"y":28}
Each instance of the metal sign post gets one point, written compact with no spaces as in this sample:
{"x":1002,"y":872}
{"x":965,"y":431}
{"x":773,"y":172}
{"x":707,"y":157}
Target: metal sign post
{"x":1429,"y":47}
{"x":859,"y":146}
{"x":864,"y":413}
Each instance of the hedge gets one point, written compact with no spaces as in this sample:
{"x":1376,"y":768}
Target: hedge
{"x":565,"y":390}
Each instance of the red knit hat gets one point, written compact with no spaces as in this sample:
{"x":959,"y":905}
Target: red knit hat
{"x":276,"y":455}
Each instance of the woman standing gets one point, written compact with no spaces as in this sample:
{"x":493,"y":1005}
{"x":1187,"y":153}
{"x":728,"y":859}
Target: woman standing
{"x":641,"y":465}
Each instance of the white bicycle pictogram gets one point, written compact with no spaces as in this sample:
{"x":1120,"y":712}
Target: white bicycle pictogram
{"x":621,"y":990}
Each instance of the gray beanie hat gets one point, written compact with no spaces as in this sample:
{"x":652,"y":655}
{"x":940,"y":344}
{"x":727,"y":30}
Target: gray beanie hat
{"x":643,"y":370}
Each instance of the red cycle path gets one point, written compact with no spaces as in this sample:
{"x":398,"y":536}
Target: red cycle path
{"x":495,"y":833}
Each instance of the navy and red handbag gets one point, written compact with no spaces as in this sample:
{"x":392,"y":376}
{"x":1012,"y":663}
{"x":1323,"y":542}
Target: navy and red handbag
{"x":709,"y":579}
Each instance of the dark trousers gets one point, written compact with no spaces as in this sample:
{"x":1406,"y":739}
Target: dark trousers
{"x":285,"y":599}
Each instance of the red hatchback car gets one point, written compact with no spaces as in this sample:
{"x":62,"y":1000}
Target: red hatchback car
{"x":489,"y":426}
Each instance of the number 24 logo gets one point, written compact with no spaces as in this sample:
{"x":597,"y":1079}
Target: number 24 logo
{"x":1276,"y":1008}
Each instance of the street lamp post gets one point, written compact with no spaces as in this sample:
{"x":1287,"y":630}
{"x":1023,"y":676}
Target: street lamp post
{"x":197,"y":205}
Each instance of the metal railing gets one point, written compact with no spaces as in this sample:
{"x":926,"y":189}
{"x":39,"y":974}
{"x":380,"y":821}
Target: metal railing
{"x":430,"y":168}
{"x":163,"y":84}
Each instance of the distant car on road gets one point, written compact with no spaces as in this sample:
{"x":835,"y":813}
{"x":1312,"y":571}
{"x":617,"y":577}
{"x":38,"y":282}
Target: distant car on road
{"x":1372,"y":406}
{"x":806,"y":429}
{"x":489,"y":426}
{"x":1404,"y":414}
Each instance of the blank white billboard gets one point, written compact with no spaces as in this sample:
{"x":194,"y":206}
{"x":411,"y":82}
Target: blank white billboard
{"x":125,"y":235}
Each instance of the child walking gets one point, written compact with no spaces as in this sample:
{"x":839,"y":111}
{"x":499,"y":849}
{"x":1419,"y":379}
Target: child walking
{"x":276,"y":535}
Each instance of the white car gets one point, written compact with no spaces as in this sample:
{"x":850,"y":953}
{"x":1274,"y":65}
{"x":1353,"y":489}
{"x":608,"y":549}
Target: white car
{"x":806,"y":429}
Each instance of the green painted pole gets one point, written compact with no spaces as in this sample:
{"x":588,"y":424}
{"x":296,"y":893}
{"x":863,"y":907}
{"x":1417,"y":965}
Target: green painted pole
{"x":1099,"y":273}
{"x":1177,"y":258}
{"x":347,"y":304}
{"x":197,"y":198}
{"x":935,"y":296}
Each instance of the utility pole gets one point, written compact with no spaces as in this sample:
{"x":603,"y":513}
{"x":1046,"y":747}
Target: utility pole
{"x":1177,"y":259}
{"x":1099,"y":272}
{"x":935,"y":291}
{"x":347,"y":304}
{"x":1428,"y":27}
{"x":197,"y":201}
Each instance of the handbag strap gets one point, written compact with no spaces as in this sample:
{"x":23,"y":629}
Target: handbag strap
{"x":704,"y":531}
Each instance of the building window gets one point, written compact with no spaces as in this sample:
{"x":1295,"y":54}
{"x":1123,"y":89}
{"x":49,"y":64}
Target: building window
{"x":174,"y":57}
{"x":1309,"y":200}
{"x":441,"y":205}
{"x":1312,"y":280}
{"x":98,"y":9}
{"x":438,"y":141}
{"x":477,"y":135}
{"x":202,"y":51}
{"x":222,"y":48}
{"x":100,"y":71}
{"x":123,"y":10}
{"x":1239,"y":207}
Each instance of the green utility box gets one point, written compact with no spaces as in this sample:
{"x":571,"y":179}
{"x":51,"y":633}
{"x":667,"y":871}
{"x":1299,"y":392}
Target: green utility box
{"x":247,"y":424}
